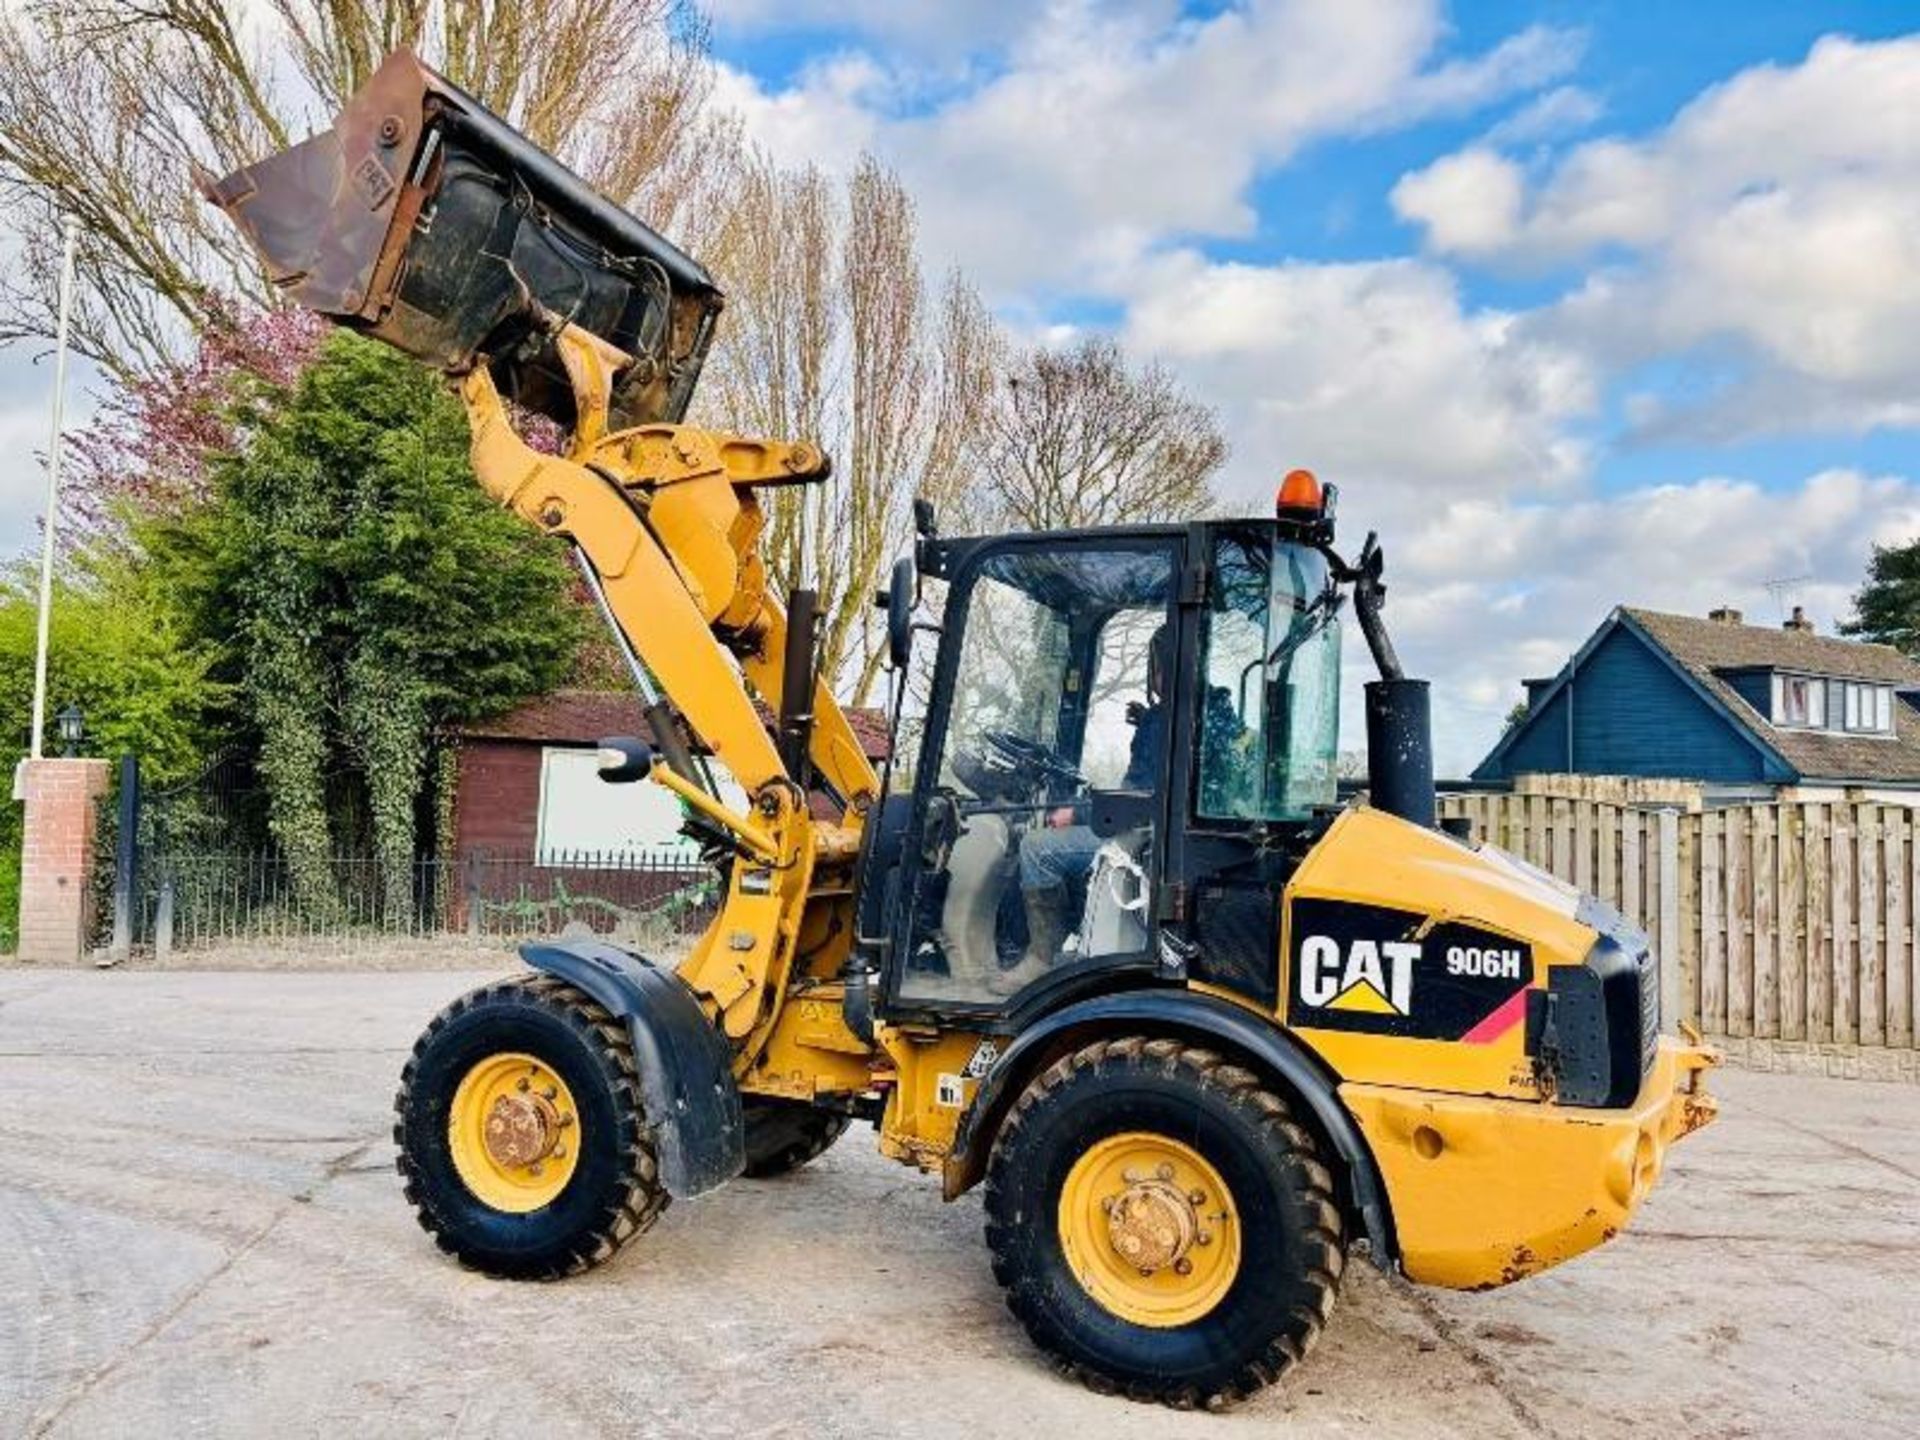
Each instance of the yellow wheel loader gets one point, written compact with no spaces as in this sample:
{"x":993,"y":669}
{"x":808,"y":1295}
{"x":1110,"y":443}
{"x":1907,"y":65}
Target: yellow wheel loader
{"x":1111,"y":946}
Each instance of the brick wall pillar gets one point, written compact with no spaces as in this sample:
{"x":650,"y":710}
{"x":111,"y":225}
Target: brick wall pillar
{"x":56,"y":859}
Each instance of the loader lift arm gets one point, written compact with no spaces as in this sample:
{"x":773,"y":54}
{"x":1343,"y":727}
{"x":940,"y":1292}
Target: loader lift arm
{"x":668,"y":518}
{"x":424,"y":221}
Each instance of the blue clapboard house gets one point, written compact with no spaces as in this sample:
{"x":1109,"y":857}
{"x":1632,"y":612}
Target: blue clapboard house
{"x":1745,"y":710}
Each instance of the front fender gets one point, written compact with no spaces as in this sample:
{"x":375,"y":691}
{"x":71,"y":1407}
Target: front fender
{"x":685,"y":1064}
{"x":1204,"y":1019}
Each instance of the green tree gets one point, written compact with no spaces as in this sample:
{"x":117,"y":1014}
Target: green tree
{"x":364,"y":596}
{"x":1887,"y":607}
{"x":143,"y":681}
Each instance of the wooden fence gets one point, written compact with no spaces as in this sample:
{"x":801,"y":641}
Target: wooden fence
{"x":1790,"y":921}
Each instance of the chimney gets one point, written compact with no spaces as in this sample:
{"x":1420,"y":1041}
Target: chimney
{"x":1726,"y":615}
{"x":1798,"y":621}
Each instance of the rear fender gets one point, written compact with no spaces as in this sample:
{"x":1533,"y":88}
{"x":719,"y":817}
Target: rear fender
{"x":1204,"y":1020}
{"x":685,"y":1064}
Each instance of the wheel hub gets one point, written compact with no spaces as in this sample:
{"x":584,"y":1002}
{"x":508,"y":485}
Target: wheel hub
{"x":513,"y":1131}
{"x":1152,"y":1225}
{"x":522,"y":1130}
{"x":1148,"y":1227}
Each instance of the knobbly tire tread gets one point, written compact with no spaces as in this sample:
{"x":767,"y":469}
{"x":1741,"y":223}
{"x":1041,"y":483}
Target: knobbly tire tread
{"x":1296,"y":1321}
{"x":634,"y":1197}
{"x":783,"y":1138}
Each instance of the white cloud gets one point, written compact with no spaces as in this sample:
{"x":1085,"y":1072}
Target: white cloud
{"x":1565,"y":110}
{"x":1103,"y":131}
{"x":1536,"y":56}
{"x":826,"y":119}
{"x":1469,"y":201}
{"x":1371,"y":373}
{"x":1847,"y":110}
{"x":1777,"y":217}
{"x":1817,"y":291}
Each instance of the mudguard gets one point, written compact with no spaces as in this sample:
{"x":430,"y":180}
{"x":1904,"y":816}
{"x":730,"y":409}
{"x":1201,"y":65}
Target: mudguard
{"x":685,"y":1064}
{"x":1199,"y":1017}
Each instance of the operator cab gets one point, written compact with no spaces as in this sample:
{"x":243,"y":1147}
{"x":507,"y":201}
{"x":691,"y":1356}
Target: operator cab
{"x":1122,"y":728}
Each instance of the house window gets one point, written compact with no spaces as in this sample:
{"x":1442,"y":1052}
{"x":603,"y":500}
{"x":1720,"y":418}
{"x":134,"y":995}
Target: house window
{"x":1799,"y":700}
{"x":1848,"y":706}
{"x":1867,"y":709}
{"x":585,"y":822}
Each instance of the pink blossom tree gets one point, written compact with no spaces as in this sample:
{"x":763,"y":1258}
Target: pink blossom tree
{"x":146,"y":451}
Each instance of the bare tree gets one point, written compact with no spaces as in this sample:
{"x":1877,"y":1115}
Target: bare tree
{"x":830,"y":335}
{"x":970,"y":350}
{"x":1077,"y":438}
{"x":106,"y":107}
{"x":774,"y":370}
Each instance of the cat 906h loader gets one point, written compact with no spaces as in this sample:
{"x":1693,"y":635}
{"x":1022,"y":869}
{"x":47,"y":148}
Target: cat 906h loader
{"x":1112,"y":949}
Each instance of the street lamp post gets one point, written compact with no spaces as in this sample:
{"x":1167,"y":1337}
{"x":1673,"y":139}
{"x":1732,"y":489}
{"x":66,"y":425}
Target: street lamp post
{"x":70,"y":233}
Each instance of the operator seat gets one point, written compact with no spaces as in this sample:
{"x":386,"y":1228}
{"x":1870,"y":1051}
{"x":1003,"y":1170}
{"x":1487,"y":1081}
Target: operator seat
{"x":980,"y":866}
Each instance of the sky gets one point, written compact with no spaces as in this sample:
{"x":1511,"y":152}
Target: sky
{"x":1579,"y":304}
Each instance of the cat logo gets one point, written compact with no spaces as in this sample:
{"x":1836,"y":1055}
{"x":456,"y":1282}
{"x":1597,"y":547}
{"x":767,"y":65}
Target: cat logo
{"x":1370,"y":977}
{"x":1355,"y":967}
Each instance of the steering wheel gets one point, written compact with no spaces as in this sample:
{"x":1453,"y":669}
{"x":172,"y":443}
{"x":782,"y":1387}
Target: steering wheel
{"x":1032,"y":758}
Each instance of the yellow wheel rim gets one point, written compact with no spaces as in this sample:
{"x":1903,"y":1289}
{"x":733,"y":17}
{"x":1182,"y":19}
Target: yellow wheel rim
{"x":1149,"y":1229}
{"x":515,"y":1133}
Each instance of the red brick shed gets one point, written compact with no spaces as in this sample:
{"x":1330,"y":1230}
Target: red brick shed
{"x":526,"y":789}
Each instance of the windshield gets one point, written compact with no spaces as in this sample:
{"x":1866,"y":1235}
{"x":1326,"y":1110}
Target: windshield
{"x":1270,"y":730}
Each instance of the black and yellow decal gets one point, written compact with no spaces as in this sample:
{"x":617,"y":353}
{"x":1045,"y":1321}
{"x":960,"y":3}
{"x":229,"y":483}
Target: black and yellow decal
{"x":1385,"y":971}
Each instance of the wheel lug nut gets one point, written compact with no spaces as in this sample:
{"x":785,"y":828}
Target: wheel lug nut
{"x":1196,"y":1197}
{"x":1183,"y":1266}
{"x":1205,"y":1237}
{"x":524,"y":1085}
{"x":1106,"y":1205}
{"x":550,"y":1093}
{"x":1147,"y":1271}
{"x":1130,"y":1175}
{"x":1165,"y":1172}
{"x":534,"y":1169}
{"x":565,"y":1121}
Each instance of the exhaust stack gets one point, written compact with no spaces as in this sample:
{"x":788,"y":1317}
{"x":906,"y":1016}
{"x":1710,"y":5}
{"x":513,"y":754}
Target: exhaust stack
{"x":1399,"y":710}
{"x":425,"y":220}
{"x":1400,"y":749}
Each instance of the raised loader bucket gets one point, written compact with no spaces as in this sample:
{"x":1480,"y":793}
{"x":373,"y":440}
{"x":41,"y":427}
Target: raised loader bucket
{"x":426,"y":220}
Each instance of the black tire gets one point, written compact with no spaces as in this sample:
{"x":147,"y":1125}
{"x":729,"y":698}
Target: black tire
{"x":782,"y":1136}
{"x":1291,"y":1237}
{"x":614,"y":1193}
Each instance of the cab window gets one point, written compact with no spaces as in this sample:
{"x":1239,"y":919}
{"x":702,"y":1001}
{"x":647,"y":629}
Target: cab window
{"x":1270,"y":706}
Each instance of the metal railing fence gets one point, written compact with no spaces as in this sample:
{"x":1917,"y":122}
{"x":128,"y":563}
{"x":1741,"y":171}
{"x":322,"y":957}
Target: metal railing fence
{"x":197,"y":899}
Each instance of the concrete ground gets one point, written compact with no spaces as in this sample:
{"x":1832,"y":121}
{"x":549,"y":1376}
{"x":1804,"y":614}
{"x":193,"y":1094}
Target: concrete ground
{"x":201,"y":1233}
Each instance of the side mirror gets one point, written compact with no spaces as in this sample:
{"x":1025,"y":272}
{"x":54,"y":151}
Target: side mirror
{"x":902,"y":594}
{"x":624,"y":760}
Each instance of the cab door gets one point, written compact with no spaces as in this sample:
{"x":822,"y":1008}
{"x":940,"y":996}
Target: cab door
{"x":1035,"y":838}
